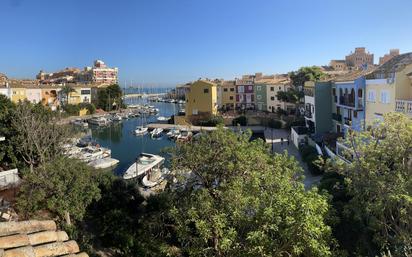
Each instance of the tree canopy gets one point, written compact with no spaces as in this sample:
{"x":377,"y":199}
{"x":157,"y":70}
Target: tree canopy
{"x":109,"y":98}
{"x":378,"y":180}
{"x":64,"y":187}
{"x":244,"y":201}
{"x":299,"y":77}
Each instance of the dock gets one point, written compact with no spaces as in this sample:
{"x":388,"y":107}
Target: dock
{"x":255,"y":129}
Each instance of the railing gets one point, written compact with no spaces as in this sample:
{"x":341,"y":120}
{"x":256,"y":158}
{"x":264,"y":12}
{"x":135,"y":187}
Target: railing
{"x":308,"y":114}
{"x":404,"y":106}
{"x":337,"y":117}
{"x":345,"y":100}
{"x":347,"y":121}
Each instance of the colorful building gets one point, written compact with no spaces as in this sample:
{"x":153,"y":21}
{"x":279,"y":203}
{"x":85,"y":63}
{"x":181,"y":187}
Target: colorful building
{"x":261,"y":96}
{"x":389,"y":88}
{"x":227,"y":95}
{"x":201,"y":100}
{"x":318,"y":106}
{"x":245,"y":97}
{"x":33,"y":94}
{"x":49,"y":96}
{"x":18,"y":93}
{"x":80,"y":95}
{"x":274,"y":86}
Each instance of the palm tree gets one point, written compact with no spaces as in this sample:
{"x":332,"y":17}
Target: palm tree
{"x":65,"y":92}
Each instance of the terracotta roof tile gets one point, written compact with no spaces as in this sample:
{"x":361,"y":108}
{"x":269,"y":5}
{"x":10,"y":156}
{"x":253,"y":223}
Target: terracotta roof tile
{"x":35,"y":238}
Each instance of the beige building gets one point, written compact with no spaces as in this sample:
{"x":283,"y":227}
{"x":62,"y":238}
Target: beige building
{"x":359,"y":58}
{"x":273,"y":86}
{"x":338,"y":65}
{"x":389,"y":88}
{"x":227,"y":95}
{"x":387,"y":57}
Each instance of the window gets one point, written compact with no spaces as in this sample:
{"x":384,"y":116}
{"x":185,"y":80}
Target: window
{"x":231,"y":97}
{"x":225,"y":90}
{"x":206,"y":90}
{"x":85,"y":92}
{"x":385,"y":97}
{"x":240,"y":89}
{"x":250,"y":88}
{"x":232,"y":89}
{"x":272,"y":89}
{"x":258,"y":88}
{"x":259,"y":97}
{"x":272,"y":98}
{"x":280,"y":88}
{"x":371,"y":95}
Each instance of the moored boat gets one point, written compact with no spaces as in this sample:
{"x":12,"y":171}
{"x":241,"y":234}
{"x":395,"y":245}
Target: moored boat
{"x":144,"y":163}
{"x":140,"y":130}
{"x":157,"y":132}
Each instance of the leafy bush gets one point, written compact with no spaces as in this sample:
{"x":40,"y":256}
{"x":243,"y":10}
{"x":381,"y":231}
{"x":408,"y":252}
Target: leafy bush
{"x":276,"y":124}
{"x":241,"y":120}
{"x":300,"y":122}
{"x":211,"y":121}
{"x":71,"y":109}
{"x":310,"y":155}
{"x":91,"y":109}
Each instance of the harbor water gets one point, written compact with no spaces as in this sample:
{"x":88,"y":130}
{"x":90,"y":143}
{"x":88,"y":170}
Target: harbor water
{"x":126,"y":146}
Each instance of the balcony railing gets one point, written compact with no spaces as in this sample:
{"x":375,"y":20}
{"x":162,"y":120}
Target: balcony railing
{"x":347,"y":121}
{"x":308,"y":114}
{"x":404,"y":106}
{"x":345,"y":100}
{"x":337,"y":117}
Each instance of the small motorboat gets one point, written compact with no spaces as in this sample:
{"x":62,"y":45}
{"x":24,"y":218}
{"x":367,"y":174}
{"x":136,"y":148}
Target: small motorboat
{"x":140,"y":130}
{"x":157,"y":132}
{"x":99,"y":121}
{"x":163,"y":119}
{"x":80,"y":122}
{"x":116,"y":117}
{"x":143,"y":164}
{"x":103,"y":163}
{"x":173,"y":134}
{"x":184,"y":136}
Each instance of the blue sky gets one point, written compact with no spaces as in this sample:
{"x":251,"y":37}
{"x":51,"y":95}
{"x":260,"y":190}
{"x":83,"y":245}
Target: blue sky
{"x":163,"y":42}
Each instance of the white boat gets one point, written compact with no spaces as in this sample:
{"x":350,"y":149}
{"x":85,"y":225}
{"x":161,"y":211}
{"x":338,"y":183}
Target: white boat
{"x":116,"y":117}
{"x":181,"y":102}
{"x":92,"y":153}
{"x":173,"y":134}
{"x":140,"y":130}
{"x":144,"y":163}
{"x":153,"y":110}
{"x":185,"y":135}
{"x":103,"y":163}
{"x":157,"y":132}
{"x":162,"y":118}
{"x":149,"y":181}
{"x":100,"y":121}
{"x":80,"y":122}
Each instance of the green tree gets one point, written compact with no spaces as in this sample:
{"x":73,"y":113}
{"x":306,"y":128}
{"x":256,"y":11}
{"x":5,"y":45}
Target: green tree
{"x":64,"y":187}
{"x":242,"y":201}
{"x":379,"y":181}
{"x":8,"y":156}
{"x":65,"y":93}
{"x":110,"y":98}
{"x":299,"y":77}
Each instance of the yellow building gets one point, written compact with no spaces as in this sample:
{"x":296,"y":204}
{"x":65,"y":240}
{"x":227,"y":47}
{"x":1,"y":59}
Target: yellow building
{"x":50,"y":96}
{"x":389,"y":89}
{"x":18,"y":93}
{"x":80,"y":95}
{"x":227,"y":95}
{"x":201,"y":100}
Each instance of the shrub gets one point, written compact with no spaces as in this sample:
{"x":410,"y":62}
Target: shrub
{"x":276,"y":124}
{"x":91,"y":109}
{"x":241,"y":120}
{"x":211,"y":121}
{"x":300,"y":122}
{"x":71,"y":109}
{"x":310,"y":155}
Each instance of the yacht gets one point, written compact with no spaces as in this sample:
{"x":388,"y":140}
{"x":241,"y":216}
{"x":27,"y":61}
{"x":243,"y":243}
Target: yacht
{"x":140,"y":130}
{"x":173,"y":133}
{"x":91,"y":153}
{"x":157,"y":132}
{"x":163,"y":119}
{"x":145,"y":162}
{"x":103,"y":163}
{"x":99,"y":121}
{"x":80,"y":122}
{"x":155,"y":177}
{"x":116,"y":117}
{"x":185,"y":135}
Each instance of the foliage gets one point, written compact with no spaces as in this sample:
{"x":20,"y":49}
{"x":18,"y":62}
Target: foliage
{"x":304,"y":74}
{"x":379,"y":181}
{"x":38,"y":137}
{"x":63,"y":186}
{"x":122,"y":222}
{"x":65,"y":92}
{"x":212,"y":121}
{"x":241,"y":120}
{"x":293,"y":123}
{"x":310,"y":156}
{"x":290,"y":96}
{"x":245,"y":202}
{"x":276,"y":124}
{"x":8,"y":156}
{"x":109,"y":98}
{"x":71,"y":109}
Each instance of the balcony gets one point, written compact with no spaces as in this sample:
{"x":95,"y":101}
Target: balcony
{"x":308,"y":114}
{"x":404,"y":106}
{"x":347,"y":121}
{"x":349,"y":101}
{"x":337,"y":117}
